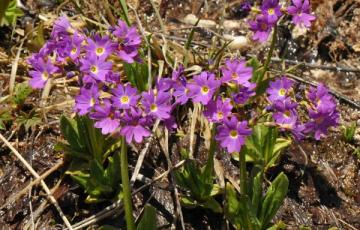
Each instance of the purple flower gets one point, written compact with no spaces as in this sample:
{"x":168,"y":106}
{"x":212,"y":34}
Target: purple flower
{"x":62,"y":27}
{"x":100,"y":47}
{"x":95,"y":67}
{"x":170,"y":123}
{"x":125,"y":97}
{"x":323,"y":113}
{"x":279,"y":89}
{"x":85,"y":101}
{"x":300,"y":11}
{"x":271,"y":10}
{"x":261,"y":27}
{"x":135,"y":126}
{"x":244,"y":93}
{"x":74,"y":47}
{"x":129,"y":42}
{"x":219,"y":110}
{"x":157,"y":105}
{"x":106,"y":116}
{"x":321,"y":99}
{"x":231,"y":134}
{"x":204,"y":87}
{"x":164,"y":84}
{"x":42,"y":73}
{"x":113,"y":78}
{"x":236,"y":71}
{"x":178,"y":74}
{"x":43,"y":53}
{"x":181,"y":93}
{"x":320,"y":122}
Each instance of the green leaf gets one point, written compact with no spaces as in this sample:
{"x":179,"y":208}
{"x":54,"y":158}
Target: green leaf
{"x":69,"y":128}
{"x":273,"y":199}
{"x":5,"y":116}
{"x":281,"y":143}
{"x":256,"y":187}
{"x":98,"y":179}
{"x":278,"y":226}
{"x":137,"y":74}
{"x":148,"y":220}
{"x":92,"y":138}
{"x":349,"y":131}
{"x":112,"y":172}
{"x":188,"y":202}
{"x":11,"y":13}
{"x":232,"y":206}
{"x":264,"y":145}
{"x":239,"y":210}
{"x":125,"y":11}
{"x":22,"y":91}
{"x":28,"y":120}
{"x":3,"y":7}
{"x":212,"y":204}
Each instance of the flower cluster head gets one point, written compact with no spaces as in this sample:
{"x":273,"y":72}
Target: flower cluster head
{"x":91,"y":56}
{"x":322,"y":109}
{"x":270,"y":13}
{"x":118,"y":108}
{"x":300,"y":12}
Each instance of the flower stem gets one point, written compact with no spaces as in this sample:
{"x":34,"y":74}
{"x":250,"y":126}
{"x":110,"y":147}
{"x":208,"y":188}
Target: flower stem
{"x":269,"y":55}
{"x":126,"y":186}
{"x":243,"y":177}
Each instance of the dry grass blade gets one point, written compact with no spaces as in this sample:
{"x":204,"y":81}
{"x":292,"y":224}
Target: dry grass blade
{"x":142,"y":155}
{"x":14,"y":68}
{"x":45,"y":187}
{"x":192,"y":130}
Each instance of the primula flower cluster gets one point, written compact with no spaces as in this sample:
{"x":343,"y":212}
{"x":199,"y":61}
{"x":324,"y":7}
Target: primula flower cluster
{"x":270,"y":13}
{"x":118,"y":108}
{"x":321,"y":109}
{"x":68,"y":47}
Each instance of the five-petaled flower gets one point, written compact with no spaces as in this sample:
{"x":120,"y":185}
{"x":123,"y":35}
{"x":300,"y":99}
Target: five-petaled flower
{"x":231,"y":134}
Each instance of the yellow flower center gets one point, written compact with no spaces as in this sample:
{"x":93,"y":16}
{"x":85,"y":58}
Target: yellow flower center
{"x":318,"y":101}
{"x":153,"y":108}
{"x":73,"y":50}
{"x":99,"y":51}
{"x":220,"y":115}
{"x":234,"y":75}
{"x":45,"y":76}
{"x":205,"y":90}
{"x":282,"y":92}
{"x":234,"y":134}
{"x":92,"y":101}
{"x":271,"y":11}
{"x":125,"y":100}
{"x":94,"y":69}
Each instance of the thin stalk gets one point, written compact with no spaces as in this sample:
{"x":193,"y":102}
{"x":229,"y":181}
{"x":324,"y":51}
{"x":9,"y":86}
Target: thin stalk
{"x":210,"y":162}
{"x":269,"y":55}
{"x":126,"y":186}
{"x":243,"y":177}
